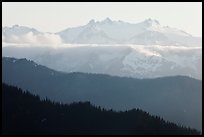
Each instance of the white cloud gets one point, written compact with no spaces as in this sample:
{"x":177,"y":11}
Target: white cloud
{"x":30,"y":38}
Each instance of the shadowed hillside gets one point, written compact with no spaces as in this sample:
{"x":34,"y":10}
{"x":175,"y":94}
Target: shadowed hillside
{"x":24,"y":113}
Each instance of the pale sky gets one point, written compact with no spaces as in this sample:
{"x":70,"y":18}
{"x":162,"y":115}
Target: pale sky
{"x":54,"y":17}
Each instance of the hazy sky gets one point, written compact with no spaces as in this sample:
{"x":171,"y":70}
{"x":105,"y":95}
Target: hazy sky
{"x":54,"y":17}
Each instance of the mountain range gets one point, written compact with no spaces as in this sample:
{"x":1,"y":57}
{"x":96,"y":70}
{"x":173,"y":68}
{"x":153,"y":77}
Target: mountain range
{"x":148,"y":32}
{"x":137,"y":61}
{"x":142,"y":50}
{"x":177,"y":98}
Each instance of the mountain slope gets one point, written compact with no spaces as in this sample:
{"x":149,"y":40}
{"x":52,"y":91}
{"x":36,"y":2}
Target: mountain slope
{"x":24,"y":113}
{"x":177,"y":99}
{"x":92,"y":34}
{"x":135,"y":61}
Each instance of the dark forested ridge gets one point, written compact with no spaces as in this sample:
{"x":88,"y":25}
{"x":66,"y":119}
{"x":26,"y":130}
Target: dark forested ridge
{"x":24,"y":113}
{"x":177,"y":98}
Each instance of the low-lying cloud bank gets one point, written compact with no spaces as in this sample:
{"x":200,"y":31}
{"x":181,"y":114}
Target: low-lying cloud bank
{"x":129,"y":60}
{"x":31,"y":38}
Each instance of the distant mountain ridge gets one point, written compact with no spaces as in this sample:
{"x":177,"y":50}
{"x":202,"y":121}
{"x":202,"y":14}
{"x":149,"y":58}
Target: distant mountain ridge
{"x":178,"y":98}
{"x":114,"y":32}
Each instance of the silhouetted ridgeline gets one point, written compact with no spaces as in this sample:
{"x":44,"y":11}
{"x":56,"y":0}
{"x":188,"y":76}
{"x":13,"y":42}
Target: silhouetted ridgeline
{"x":177,"y":99}
{"x":24,"y":113}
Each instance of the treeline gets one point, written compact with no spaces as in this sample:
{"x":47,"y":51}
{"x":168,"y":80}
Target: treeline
{"x":24,"y":113}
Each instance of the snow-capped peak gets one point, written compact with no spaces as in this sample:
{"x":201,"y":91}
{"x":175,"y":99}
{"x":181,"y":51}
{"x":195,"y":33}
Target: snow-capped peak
{"x":151,"y":22}
{"x":107,"y":20}
{"x":18,"y":30}
{"x":91,"y":22}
